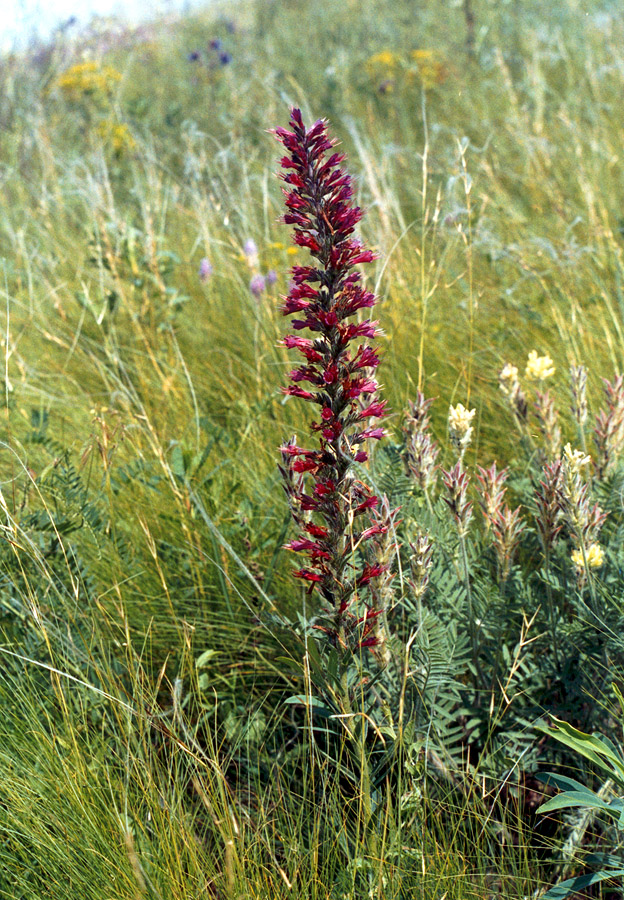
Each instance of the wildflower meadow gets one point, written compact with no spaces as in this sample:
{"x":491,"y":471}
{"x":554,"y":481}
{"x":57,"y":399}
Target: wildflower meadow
{"x":312,"y":454}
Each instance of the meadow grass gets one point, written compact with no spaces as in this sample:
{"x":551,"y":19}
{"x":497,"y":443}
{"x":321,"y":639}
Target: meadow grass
{"x":143,"y":585}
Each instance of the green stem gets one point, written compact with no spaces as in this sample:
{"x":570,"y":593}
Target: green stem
{"x":366,"y":809}
{"x":583,"y":441}
{"x":590,"y":580}
{"x":551,"y":606}
{"x":472,"y":625}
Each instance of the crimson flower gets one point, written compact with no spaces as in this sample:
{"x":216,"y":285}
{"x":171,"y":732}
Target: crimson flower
{"x":327,"y":501}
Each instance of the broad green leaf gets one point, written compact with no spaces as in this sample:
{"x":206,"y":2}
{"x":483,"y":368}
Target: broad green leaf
{"x":287,"y":662}
{"x":585,"y":798}
{"x":304,"y":700}
{"x":573,"y":885}
{"x":318,"y":705}
{"x":591,"y":746}
{"x":561,"y":781}
{"x":606,"y":860}
{"x":205,"y":657}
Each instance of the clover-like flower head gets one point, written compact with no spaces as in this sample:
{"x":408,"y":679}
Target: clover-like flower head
{"x":539,"y":368}
{"x":460,"y":429}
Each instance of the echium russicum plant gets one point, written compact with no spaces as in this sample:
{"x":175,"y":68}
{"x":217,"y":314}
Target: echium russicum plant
{"x":330,"y":504}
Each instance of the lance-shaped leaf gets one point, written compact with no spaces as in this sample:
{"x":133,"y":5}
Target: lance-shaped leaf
{"x":597,"y":748}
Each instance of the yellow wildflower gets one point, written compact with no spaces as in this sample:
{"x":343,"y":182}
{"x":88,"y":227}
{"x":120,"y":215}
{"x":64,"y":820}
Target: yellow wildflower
{"x":594,"y":555}
{"x":381,"y":68}
{"x":575,"y":459}
{"x":385,"y":61}
{"x":87,"y":79}
{"x":508,"y":379}
{"x":422,"y":55}
{"x":538,"y":368}
{"x":115,"y":136}
{"x":430,"y":69}
{"x":460,"y":429}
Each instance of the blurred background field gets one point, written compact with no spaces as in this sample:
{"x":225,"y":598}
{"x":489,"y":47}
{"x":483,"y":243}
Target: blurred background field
{"x":142,"y":261}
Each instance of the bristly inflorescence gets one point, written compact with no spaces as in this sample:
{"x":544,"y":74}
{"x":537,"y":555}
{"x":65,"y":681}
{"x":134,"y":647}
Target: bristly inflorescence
{"x":330,"y":505}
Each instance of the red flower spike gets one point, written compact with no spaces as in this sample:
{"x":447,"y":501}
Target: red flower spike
{"x":318,"y":195}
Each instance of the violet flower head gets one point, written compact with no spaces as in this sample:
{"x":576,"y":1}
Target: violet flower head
{"x":250,"y":249}
{"x":335,"y":377}
{"x":257,"y":285}
{"x":271,"y":277}
{"x":205,"y":269}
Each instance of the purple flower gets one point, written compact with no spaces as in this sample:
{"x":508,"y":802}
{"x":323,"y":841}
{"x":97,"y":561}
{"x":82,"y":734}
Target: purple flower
{"x":205,"y":269}
{"x":225,"y":58}
{"x":271,"y":277}
{"x":193,"y":57}
{"x":215,"y":44}
{"x":249,"y":248}
{"x":257,"y":285}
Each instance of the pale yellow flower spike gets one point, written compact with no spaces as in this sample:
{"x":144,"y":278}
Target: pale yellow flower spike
{"x":594,"y":554}
{"x":538,"y":368}
{"x":575,"y":460}
{"x":460,"y":429}
{"x":508,"y":379}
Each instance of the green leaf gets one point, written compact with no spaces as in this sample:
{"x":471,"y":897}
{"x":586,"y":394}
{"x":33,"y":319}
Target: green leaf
{"x":561,"y":781}
{"x":573,"y":885}
{"x":178,"y":466}
{"x":315,"y":702}
{"x":585,"y":798}
{"x":205,"y":658}
{"x":608,"y":860}
{"x":591,"y":746}
{"x":289,"y":663}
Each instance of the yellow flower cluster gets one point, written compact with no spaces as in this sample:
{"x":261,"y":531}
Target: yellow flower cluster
{"x":87,"y":79}
{"x":430,"y":68}
{"x":388,"y":70}
{"x":508,"y":379}
{"x":575,"y":460}
{"x":292,"y":250}
{"x":539,"y":368}
{"x":594,"y":555}
{"x":116,"y":137}
{"x":383,"y":64}
{"x":459,"y":426}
